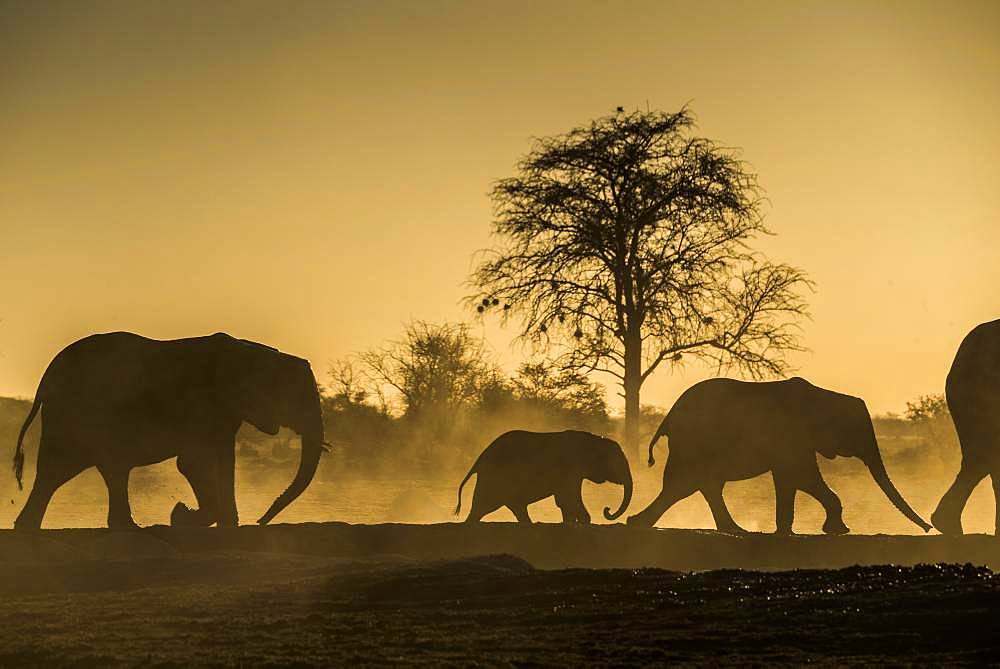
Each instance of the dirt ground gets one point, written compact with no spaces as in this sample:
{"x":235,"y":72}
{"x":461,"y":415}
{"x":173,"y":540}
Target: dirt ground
{"x":282,"y":610}
{"x":208,"y":598}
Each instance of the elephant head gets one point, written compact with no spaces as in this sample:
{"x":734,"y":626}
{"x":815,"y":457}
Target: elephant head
{"x":853,"y":435}
{"x":607,"y":463}
{"x":270,"y":389}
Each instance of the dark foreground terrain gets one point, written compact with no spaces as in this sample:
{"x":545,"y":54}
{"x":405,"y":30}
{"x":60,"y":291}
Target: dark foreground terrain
{"x":181,"y":598}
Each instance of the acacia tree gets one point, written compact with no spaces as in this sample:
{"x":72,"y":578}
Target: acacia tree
{"x":625,"y":244}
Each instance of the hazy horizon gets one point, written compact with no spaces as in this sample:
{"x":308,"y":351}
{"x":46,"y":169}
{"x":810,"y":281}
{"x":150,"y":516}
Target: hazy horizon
{"x":312,"y":175}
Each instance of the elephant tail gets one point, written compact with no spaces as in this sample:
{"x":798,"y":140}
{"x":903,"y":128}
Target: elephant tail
{"x":19,"y":451}
{"x":472,"y":470}
{"x":662,"y":431}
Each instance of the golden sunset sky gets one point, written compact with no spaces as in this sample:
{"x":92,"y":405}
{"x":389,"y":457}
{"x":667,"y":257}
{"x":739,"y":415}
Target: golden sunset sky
{"x":313,"y":174}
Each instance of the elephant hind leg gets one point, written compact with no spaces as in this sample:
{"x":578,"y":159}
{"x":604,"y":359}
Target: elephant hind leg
{"x":947,"y":517}
{"x":484,"y":502}
{"x":720,"y":512}
{"x":53,"y":470}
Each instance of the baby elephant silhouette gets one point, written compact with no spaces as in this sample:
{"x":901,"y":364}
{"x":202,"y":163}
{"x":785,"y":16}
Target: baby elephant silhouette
{"x":519,"y":468}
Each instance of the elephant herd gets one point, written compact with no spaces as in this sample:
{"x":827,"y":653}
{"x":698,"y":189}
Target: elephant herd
{"x":117,"y":401}
{"x":719,"y":430}
{"x":724,"y":430}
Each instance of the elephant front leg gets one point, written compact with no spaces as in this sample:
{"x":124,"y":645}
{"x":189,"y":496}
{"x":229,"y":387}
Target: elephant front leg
{"x":200,"y":473}
{"x":947,"y":517}
{"x":225,"y":480}
{"x":995,"y":477}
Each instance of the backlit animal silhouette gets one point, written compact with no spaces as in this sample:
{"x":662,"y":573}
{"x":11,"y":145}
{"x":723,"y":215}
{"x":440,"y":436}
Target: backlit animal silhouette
{"x":726,"y":430}
{"x":972,"y":391}
{"x":519,"y":468}
{"x":118,"y":401}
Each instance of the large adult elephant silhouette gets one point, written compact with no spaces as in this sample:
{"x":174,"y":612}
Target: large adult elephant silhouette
{"x":519,"y":468}
{"x":972,"y":391}
{"x":727,"y":430}
{"x":119,"y":400}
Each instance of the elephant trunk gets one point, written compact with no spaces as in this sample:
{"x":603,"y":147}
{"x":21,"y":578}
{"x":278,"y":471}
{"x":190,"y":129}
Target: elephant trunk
{"x":881,"y":476}
{"x":626,"y":480}
{"x":312,"y":448}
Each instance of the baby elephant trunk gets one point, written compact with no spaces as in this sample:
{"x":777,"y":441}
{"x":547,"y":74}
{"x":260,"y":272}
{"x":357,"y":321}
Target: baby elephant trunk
{"x":624,"y":478}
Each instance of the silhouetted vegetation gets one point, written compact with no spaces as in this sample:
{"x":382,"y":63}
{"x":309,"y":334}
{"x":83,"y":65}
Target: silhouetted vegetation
{"x":625,"y":244}
{"x":922,"y":438}
{"x":435,"y":397}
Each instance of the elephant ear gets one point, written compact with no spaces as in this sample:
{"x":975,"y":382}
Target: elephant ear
{"x":246,"y":375}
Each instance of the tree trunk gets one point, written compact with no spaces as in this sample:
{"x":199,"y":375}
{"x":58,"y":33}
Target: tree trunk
{"x":631,"y":385}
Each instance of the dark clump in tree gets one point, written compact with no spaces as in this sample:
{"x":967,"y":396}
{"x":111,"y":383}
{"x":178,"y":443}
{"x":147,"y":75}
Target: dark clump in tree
{"x":625,"y":244}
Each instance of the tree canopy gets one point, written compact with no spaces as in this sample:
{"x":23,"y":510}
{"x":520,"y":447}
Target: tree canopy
{"x":626,"y":244}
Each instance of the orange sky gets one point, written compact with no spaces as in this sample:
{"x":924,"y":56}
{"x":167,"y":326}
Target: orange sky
{"x":311,"y":175}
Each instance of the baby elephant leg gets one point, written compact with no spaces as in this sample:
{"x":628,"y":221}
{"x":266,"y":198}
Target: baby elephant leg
{"x":520,"y":512}
{"x":570,"y":502}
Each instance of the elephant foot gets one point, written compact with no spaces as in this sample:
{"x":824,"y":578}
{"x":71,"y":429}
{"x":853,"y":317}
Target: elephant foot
{"x":731,"y":529}
{"x":946,"y":523}
{"x":24,"y":523}
{"x":784,"y":532}
{"x":639,"y":520}
{"x":126,"y":524}
{"x":183,"y":516}
{"x":835,"y":526}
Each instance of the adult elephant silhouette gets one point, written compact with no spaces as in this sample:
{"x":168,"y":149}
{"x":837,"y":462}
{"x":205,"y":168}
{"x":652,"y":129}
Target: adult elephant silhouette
{"x":972,"y":391}
{"x":726,"y":430}
{"x":119,"y":400}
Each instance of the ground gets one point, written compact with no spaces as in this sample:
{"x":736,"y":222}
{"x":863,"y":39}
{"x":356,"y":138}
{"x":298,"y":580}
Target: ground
{"x":91,"y":597}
